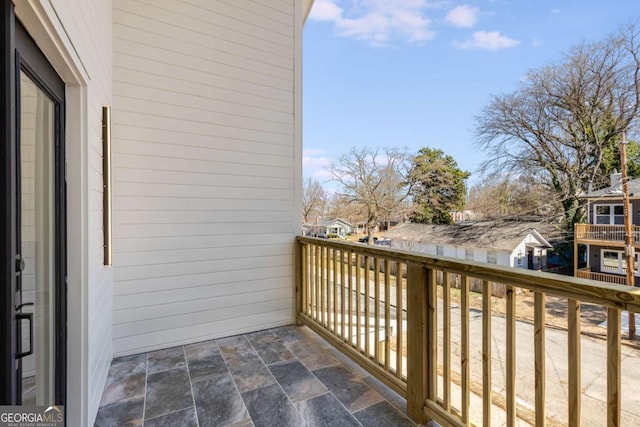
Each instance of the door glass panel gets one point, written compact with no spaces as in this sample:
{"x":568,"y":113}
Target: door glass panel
{"x":37,"y":133}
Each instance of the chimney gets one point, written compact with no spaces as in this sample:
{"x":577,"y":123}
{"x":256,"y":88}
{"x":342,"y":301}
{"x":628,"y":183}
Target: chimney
{"x":616,"y":180}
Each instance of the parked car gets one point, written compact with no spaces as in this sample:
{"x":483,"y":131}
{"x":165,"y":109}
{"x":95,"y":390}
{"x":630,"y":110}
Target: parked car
{"x":365,"y":239}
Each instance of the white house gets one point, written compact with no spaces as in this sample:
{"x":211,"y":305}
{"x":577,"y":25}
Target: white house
{"x":330,"y":227}
{"x":502,"y":242}
{"x":186,"y":231}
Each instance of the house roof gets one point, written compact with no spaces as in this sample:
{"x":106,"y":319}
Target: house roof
{"x":328,"y":222}
{"x":499,"y":234}
{"x":615,"y":191}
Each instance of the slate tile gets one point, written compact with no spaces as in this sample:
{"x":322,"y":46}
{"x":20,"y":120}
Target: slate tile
{"x":167,"y":391}
{"x":349,"y":389}
{"x":297,"y":381}
{"x":168,"y":358}
{"x":313,"y":356}
{"x":249,"y":371}
{"x":389,"y":395}
{"x":382,"y":414}
{"x":325,"y":410}
{"x":273,"y":352}
{"x":269,"y":406}
{"x":261,"y":337}
{"x":218,"y":402}
{"x":123,"y":413}
{"x":204,"y":360}
{"x":183,"y":418}
{"x":126,"y":378}
{"x":288,"y":334}
{"x":232,"y":346}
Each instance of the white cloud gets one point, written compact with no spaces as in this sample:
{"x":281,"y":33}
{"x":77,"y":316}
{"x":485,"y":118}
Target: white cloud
{"x":325,"y":10}
{"x":378,"y":22}
{"x":315,"y":164}
{"x":489,"y":40}
{"x":463,"y":16}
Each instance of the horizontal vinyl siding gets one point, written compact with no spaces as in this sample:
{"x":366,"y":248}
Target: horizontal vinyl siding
{"x":203,"y":170}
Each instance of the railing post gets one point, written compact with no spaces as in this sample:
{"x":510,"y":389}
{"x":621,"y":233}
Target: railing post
{"x":417,"y":306}
{"x":300,"y":280}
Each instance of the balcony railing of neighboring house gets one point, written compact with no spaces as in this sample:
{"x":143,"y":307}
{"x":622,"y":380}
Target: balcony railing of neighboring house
{"x":382,"y":308}
{"x":605,"y":233}
{"x":586,"y":273}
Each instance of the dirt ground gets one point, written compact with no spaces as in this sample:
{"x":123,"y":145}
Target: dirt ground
{"x":556,"y":312}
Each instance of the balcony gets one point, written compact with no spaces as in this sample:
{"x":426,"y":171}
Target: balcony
{"x":394,"y":338}
{"x":612,"y":235}
{"x":586,"y":273}
{"x":461,"y":356}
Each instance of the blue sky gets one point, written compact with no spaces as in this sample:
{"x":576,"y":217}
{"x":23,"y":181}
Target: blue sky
{"x":415,"y":73}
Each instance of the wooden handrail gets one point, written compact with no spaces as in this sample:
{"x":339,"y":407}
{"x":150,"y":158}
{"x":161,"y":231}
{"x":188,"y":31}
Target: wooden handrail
{"x":608,"y":295}
{"x":366,"y":300}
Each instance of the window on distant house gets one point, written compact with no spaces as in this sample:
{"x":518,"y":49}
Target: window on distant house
{"x":608,"y":214}
{"x":468,"y":254}
{"x":492,"y":257}
{"x":613,"y":261}
{"x":439,"y":250}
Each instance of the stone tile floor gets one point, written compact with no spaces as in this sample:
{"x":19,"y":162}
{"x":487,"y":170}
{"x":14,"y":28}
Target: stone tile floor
{"x":285,"y":376}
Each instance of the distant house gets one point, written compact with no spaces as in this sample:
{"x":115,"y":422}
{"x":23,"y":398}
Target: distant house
{"x":335,"y":227}
{"x":603,"y":235}
{"x":502,"y":242}
{"x":465,"y":215}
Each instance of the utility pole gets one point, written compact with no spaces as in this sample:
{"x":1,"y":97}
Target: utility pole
{"x":628,"y":232}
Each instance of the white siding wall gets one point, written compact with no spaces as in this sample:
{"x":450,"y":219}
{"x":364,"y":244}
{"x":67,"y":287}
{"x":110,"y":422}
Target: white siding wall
{"x":88,"y":24}
{"x":480,"y":254}
{"x":205,"y":170}
{"x":76,"y":38}
{"x":504,"y":258}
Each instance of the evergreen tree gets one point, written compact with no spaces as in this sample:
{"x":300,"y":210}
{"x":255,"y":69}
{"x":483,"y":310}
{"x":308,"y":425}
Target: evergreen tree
{"x":438,"y":187}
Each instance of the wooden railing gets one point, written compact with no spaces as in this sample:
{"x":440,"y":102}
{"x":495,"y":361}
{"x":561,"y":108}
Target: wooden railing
{"x":392,"y":312}
{"x":586,"y":273}
{"x":605,"y":233}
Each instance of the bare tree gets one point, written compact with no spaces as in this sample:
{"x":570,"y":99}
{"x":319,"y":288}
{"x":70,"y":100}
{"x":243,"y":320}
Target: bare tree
{"x":374,"y":180}
{"x":507,"y":195}
{"x":314,"y":198}
{"x":565,"y":118}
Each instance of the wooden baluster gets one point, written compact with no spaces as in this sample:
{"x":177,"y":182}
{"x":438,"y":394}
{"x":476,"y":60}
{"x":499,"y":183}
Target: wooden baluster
{"x":358,"y":302}
{"x":464,"y":350}
{"x":432,"y":336}
{"x":511,"y":357}
{"x":323,"y":284}
{"x":316,"y":294}
{"x":350,"y":296}
{"x":343,"y":295}
{"x":539,"y":323}
{"x":367,"y":307}
{"x":387,"y":314}
{"x":487,"y":397}
{"x":335,"y":292}
{"x":376,"y":310}
{"x":446,"y":340}
{"x":574,"y":360}
{"x":614,"y":337}
{"x":399,"y":315}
